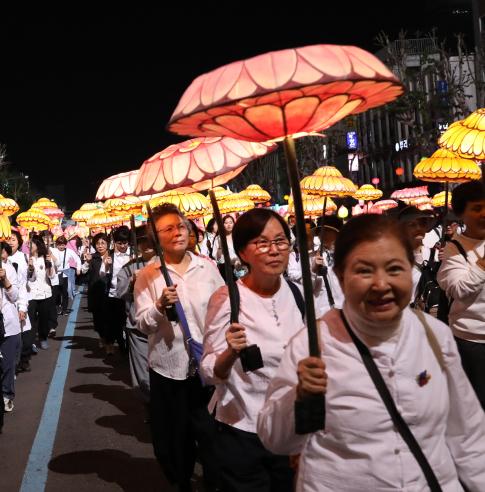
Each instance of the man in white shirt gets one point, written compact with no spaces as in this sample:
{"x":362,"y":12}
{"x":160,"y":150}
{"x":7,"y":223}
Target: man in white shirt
{"x":178,"y":401}
{"x":115,"y":307}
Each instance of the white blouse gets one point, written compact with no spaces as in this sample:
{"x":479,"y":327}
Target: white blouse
{"x":270,"y":323}
{"x":360,"y":450}
{"x":24,"y":296}
{"x":167,"y":353}
{"x":38,"y":284}
{"x":9,"y":302}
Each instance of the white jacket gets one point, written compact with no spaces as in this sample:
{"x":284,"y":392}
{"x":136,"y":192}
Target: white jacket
{"x":9,"y":302}
{"x":360,"y":450}
{"x":24,"y":296}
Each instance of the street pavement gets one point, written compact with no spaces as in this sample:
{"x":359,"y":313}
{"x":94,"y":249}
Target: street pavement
{"x":102,"y":441}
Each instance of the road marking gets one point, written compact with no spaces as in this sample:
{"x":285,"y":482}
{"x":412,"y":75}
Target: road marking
{"x":35,"y":475}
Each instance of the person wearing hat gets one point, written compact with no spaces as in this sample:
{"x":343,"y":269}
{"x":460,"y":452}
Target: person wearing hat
{"x":137,"y":341}
{"x":417,"y":223}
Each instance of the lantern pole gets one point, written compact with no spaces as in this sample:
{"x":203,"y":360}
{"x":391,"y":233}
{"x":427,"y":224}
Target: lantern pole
{"x":322,"y":225}
{"x":289,"y":147}
{"x":445,"y":212}
{"x":135,"y":243}
{"x":227,"y":260}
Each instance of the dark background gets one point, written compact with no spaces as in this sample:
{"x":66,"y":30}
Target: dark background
{"x":87,"y":87}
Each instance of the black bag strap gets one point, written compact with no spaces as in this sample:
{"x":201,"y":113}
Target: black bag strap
{"x":396,"y":417}
{"x":460,"y":248}
{"x":300,"y":302}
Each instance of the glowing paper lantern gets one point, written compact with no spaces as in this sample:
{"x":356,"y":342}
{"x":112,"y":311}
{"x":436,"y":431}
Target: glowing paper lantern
{"x":34,"y":219}
{"x":445,"y":167}
{"x":343,"y":212}
{"x":385,"y":204}
{"x":44,"y":203}
{"x":284,"y":93}
{"x":193,"y":205}
{"x":439,"y":199}
{"x":399,"y":171}
{"x":256,"y":194}
{"x":407,"y":194}
{"x":375,"y":181}
{"x":117,"y":186}
{"x":236,"y":203}
{"x":367,"y":192}
{"x":118,"y":207}
{"x":56,"y":231}
{"x":221,"y":193}
{"x":5,"y":228}
{"x":8,"y":206}
{"x":328,"y":181}
{"x":422,"y":200}
{"x":53,"y":213}
{"x":313,"y":205}
{"x":196,"y":163}
{"x":101,"y":219}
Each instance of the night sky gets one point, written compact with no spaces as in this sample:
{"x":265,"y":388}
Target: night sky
{"x":88,"y":87}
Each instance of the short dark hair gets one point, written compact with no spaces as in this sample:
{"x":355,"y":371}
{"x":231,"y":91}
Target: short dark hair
{"x":19,"y":237}
{"x":310,"y":221}
{"x":41,"y":247}
{"x":98,"y":237}
{"x":331,"y":221}
{"x":121,"y":234}
{"x":61,"y":240}
{"x":251,"y":224}
{"x":465,"y":193}
{"x":210,"y":225}
{"x":7,"y":247}
{"x":193,"y":227}
{"x":368,"y":228}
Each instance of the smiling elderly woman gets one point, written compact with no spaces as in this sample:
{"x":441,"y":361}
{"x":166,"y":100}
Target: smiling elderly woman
{"x":418,"y":366}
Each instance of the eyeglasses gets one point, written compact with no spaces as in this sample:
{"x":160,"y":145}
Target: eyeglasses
{"x":264,"y":245}
{"x":171,"y":229}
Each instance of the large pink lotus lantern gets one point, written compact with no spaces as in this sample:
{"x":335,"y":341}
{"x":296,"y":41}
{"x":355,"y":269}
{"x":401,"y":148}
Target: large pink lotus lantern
{"x":407,"y":194}
{"x":56,"y":231}
{"x":82,"y":231}
{"x":117,"y":186}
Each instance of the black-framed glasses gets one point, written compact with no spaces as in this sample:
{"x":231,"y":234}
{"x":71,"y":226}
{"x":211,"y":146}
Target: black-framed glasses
{"x":264,"y":245}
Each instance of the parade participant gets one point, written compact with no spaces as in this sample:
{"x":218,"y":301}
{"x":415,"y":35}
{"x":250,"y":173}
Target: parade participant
{"x":416,"y":224}
{"x":207,"y":247}
{"x":21,"y":260}
{"x":40,"y":276}
{"x":64,"y":256}
{"x":55,"y":299}
{"x":452,"y":229}
{"x":74,"y":269}
{"x":268,"y":317}
{"x":228,"y":223}
{"x":115,"y":307}
{"x":462,"y":276}
{"x":83,"y":250}
{"x":10,"y":332}
{"x":192,"y":247}
{"x":178,"y":402}
{"x":98,"y":284}
{"x":325,"y":296}
{"x":138,"y":341}
{"x":410,"y":358}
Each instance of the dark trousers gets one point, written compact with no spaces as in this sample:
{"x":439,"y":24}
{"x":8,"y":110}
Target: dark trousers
{"x":246,"y":466}
{"x":115,"y":310}
{"x":473,"y":361}
{"x":27,"y":341}
{"x":180,"y":424}
{"x":10,"y":348}
{"x":41,"y":308}
{"x":53,"y":308}
{"x":63,"y":298}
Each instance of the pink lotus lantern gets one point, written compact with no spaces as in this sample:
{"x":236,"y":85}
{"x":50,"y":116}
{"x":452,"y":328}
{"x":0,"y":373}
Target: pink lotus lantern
{"x":53,"y":213}
{"x":407,"y":194}
{"x":385,"y":204}
{"x":56,"y":231}
{"x":82,"y":231}
{"x":280,"y":96}
{"x":117,"y":186}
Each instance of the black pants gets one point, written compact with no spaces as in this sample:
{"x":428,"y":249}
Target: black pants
{"x":246,"y":466}
{"x":41,"y":308}
{"x":63,"y":298}
{"x":27,"y":341}
{"x":115,"y":310}
{"x":180,"y":421}
{"x":473,"y":361}
{"x":53,"y":308}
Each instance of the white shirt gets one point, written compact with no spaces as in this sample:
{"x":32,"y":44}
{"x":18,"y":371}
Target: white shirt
{"x":320,"y":295}
{"x":24,"y":295}
{"x":270,"y":323}
{"x":203,"y":246}
{"x":119,"y":261}
{"x":63,"y":257}
{"x":432,"y":237}
{"x":219,"y":257}
{"x":38,"y":285}
{"x":167,"y":354}
{"x":464,"y":281}
{"x":360,"y":450}
{"x":9,"y":302}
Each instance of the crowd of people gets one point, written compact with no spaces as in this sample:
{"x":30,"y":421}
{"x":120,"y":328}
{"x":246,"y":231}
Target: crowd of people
{"x":401,"y":330}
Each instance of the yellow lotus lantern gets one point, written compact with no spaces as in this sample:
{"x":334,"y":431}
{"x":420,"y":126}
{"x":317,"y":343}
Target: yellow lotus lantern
{"x":8,"y":206}
{"x":101,"y":219}
{"x":446,"y":167}
{"x":422,"y":200}
{"x":85,"y":212}
{"x":328,"y":181}
{"x":439,"y":199}
{"x":256,"y":194}
{"x":367,"y":192}
{"x":236,"y":203}
{"x":221,"y":193}
{"x":5,"y":228}
{"x":119,"y":207}
{"x":193,"y":205}
{"x":466,"y":138}
{"x":34,"y":219}
{"x":44,"y":203}
{"x":313,"y":205}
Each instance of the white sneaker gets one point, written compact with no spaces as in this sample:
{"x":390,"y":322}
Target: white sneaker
{"x":8,"y":404}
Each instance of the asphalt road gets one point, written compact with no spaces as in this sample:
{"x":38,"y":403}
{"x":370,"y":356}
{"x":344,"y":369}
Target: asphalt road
{"x":101,"y":441}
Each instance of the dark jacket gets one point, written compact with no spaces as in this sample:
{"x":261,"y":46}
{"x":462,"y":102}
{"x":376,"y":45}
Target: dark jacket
{"x":98,"y":285}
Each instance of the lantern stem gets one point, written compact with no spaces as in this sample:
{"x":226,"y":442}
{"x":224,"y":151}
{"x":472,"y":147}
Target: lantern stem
{"x":445,"y":212}
{"x":322,"y":231}
{"x":227,"y":259}
{"x":135,"y":243}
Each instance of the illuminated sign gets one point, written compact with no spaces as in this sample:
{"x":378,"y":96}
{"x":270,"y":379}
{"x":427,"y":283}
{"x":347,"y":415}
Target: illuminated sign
{"x":352,"y":140}
{"x":403,"y":144}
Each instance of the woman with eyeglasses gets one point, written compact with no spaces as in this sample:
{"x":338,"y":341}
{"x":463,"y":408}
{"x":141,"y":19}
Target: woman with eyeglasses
{"x":98,"y":291}
{"x":269,"y":315}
